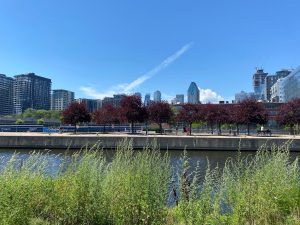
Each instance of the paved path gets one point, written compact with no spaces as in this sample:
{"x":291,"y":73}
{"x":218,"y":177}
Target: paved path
{"x":127,"y":135}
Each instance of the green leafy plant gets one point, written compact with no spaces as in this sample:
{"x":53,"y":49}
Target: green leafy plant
{"x":40,"y":122}
{"x":19,"y":121}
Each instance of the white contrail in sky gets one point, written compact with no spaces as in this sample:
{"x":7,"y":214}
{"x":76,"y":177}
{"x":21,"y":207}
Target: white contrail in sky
{"x":127,"y":88}
{"x":157,"y":69}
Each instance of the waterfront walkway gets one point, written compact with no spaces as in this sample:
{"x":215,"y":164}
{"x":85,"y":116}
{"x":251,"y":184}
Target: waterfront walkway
{"x":129,"y":135}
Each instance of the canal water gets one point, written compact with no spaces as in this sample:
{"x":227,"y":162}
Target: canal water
{"x":215,"y":158}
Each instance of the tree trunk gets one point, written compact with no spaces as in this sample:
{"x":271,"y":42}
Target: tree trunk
{"x":104,"y":128}
{"x":248,"y":129}
{"x":237,"y":129}
{"x":291,"y":130}
{"x":219,"y":127}
{"x":132,"y":128}
{"x":212,"y":129}
{"x":75,"y":128}
{"x":190,"y":129}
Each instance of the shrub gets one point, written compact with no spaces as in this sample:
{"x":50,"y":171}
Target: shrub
{"x":19,"y":121}
{"x":40,"y":121}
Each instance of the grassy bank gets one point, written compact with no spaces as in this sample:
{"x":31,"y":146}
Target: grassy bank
{"x":142,"y":188}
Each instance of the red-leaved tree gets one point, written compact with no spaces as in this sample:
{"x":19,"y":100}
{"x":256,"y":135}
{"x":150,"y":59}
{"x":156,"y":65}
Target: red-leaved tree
{"x":289,"y":114}
{"x":160,"y":112}
{"x":236,"y":116}
{"x":252,"y":112}
{"x":106,"y":115}
{"x":133,"y":111}
{"x":190,"y":113}
{"x":216,"y":114}
{"x":76,"y":113}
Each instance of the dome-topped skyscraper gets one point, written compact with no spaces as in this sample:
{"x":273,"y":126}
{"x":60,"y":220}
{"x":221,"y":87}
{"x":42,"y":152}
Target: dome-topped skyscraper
{"x":193,"y":94}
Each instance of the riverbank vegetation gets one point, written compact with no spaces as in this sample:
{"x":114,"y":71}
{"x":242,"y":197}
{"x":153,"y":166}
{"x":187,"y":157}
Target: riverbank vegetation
{"x":141,"y":187}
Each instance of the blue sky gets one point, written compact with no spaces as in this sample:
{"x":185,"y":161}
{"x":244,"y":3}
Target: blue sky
{"x":102,"y":47}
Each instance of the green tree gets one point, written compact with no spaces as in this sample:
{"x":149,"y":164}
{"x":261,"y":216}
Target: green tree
{"x":40,"y":114}
{"x":28,"y":113}
{"x":19,"y":121}
{"x":40,"y":122}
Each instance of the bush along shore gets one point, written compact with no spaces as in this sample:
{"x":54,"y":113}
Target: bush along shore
{"x":141,"y":187}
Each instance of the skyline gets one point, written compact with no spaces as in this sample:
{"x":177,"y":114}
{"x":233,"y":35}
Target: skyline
{"x":124,"y":89}
{"x":108,"y":43}
{"x":100,"y":96}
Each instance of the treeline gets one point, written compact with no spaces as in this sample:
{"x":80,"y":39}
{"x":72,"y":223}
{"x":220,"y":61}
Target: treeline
{"x":132,"y":111}
{"x":215,"y":116}
{"x":37,"y":114}
{"x":246,"y":113}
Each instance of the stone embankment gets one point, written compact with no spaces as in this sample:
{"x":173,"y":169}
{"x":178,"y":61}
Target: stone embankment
{"x":110,"y":141}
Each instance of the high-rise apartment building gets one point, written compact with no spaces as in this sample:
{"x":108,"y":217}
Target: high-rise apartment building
{"x":157,"y":96}
{"x":138,"y":94}
{"x":99,"y":103}
{"x":117,"y":99}
{"x":91,"y":104}
{"x":239,"y":97}
{"x":6,"y":95}
{"x":193,"y":94}
{"x":271,"y":80}
{"x":277,"y":94}
{"x":31,"y":91}
{"x":178,"y":100}
{"x":114,"y":101}
{"x":61,"y":99}
{"x":108,"y":101}
{"x":147,"y":100}
{"x":291,"y":85}
{"x":259,"y":79}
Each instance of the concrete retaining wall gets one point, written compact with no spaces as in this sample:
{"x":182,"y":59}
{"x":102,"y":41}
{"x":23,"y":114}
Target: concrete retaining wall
{"x":165,"y":142}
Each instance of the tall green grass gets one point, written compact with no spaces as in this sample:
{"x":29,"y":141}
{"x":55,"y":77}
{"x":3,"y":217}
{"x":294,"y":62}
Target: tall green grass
{"x":131,"y":189}
{"x":264,"y":189}
{"x":141,"y":187}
